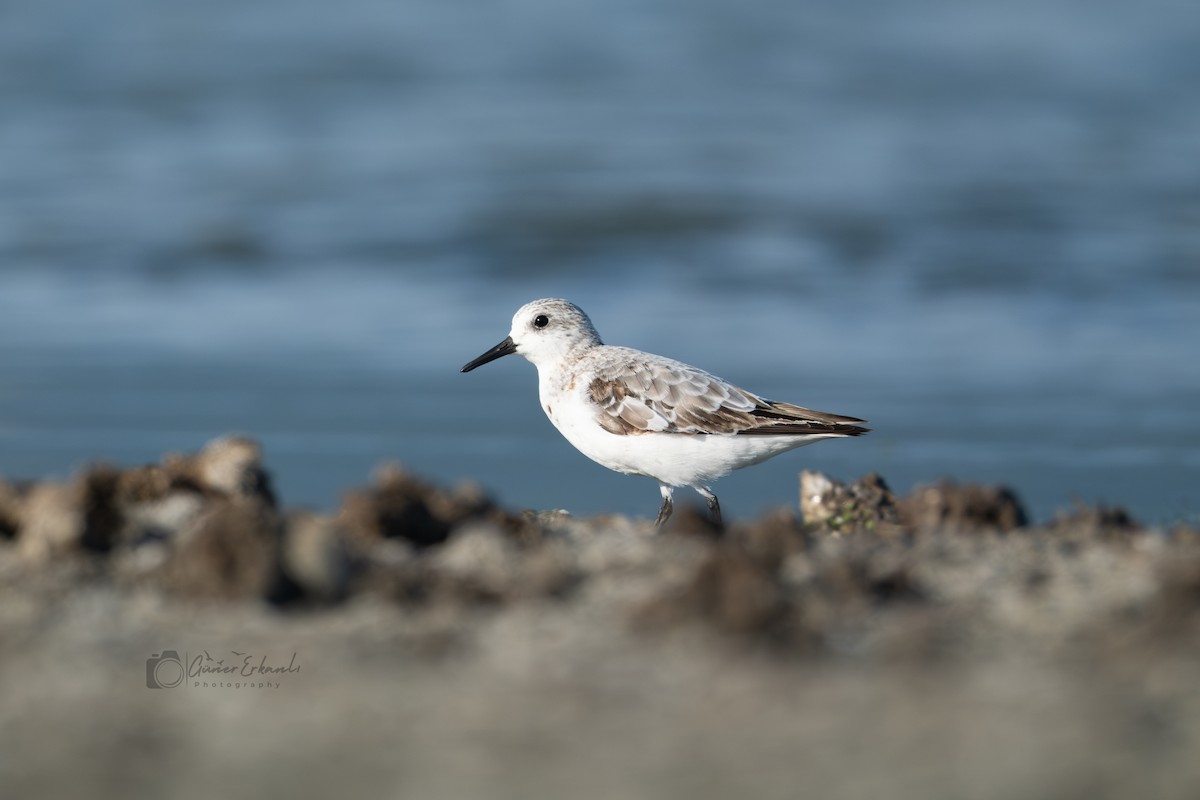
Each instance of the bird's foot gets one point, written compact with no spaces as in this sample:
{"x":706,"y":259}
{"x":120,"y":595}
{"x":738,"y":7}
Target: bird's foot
{"x":664,"y":512}
{"x":714,"y":509}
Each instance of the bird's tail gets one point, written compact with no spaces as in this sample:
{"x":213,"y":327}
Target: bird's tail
{"x":779,"y":419}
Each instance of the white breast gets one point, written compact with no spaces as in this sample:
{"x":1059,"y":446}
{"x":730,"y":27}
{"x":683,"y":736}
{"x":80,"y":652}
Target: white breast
{"x":673,"y":458}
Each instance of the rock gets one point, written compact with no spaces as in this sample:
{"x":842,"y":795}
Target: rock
{"x":729,"y":590}
{"x":691,"y":520}
{"x":770,"y":584}
{"x":102,"y":517}
{"x":161,"y":519}
{"x":1185,"y":534}
{"x":1179,"y":592}
{"x":229,"y":466}
{"x":1101,"y":521}
{"x":143,"y":484}
{"x":231,"y":551}
{"x":63,"y":518}
{"x":737,"y":593}
{"x":160,"y":501}
{"x":818,"y":496}
{"x":774,"y":537}
{"x":402,"y":506}
{"x":53,"y":523}
{"x":316,"y":556}
{"x":548,"y":516}
{"x":12,"y":504}
{"x":479,"y":563}
{"x":947,"y":505}
{"x":483,"y":563}
{"x":866,"y":504}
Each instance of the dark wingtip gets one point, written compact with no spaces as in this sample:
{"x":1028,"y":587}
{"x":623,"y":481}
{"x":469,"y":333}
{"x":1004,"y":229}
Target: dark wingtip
{"x":805,"y":429}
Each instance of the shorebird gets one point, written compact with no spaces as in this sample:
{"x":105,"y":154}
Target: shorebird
{"x":643,"y":414}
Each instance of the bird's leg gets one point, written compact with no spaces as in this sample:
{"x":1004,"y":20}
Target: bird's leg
{"x":714,"y":507}
{"x":664,"y":511}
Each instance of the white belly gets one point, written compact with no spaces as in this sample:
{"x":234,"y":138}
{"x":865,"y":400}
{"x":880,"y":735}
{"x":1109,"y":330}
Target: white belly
{"x":676,"y":459}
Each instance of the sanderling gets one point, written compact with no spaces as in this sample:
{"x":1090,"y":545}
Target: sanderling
{"x":643,"y":414}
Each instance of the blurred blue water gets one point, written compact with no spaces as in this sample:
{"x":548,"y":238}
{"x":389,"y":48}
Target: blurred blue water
{"x":976,"y":225}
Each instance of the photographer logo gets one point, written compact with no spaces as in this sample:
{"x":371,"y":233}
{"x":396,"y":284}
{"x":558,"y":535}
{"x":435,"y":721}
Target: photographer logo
{"x":237,"y":670}
{"x":164,"y":670}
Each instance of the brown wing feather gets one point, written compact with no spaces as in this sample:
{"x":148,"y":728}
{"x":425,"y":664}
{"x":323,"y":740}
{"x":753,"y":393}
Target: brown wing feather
{"x":669,"y":397}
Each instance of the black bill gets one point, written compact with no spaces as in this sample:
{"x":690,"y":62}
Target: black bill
{"x":505,"y":348}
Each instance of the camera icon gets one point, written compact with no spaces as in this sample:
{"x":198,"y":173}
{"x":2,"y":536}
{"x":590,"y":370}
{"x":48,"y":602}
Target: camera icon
{"x":164,"y":670}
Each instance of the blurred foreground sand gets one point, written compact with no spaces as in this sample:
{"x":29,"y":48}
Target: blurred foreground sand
{"x":936,"y":645}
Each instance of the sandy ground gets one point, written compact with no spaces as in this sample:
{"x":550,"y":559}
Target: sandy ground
{"x":438,"y":645}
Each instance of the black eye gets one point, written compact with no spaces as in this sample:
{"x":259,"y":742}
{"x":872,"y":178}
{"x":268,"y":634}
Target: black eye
{"x":541,"y":321}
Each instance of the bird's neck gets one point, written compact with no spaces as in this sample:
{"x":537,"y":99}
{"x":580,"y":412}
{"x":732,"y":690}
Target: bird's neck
{"x":561,"y":359}
{"x":554,"y":373}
